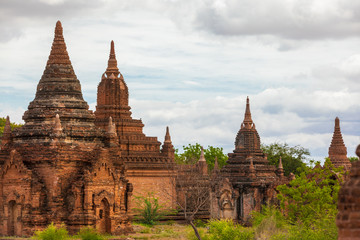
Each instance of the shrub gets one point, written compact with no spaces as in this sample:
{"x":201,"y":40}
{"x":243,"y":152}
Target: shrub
{"x":272,"y":224}
{"x":89,"y":233}
{"x":52,"y":232}
{"x":199,"y":223}
{"x":202,"y":232}
{"x":269,"y":222}
{"x":149,"y":209}
{"x":225,"y":229}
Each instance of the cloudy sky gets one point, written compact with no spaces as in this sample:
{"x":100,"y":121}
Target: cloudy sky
{"x":190,"y":64}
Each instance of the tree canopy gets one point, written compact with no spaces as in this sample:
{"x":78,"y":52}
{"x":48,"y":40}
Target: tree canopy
{"x":293,"y":158}
{"x":2,"y":125}
{"x":191,"y":154}
{"x":311,"y":198}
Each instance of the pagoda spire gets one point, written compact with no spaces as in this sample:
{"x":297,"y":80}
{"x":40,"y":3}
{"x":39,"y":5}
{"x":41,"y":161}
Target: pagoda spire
{"x":7,"y":135}
{"x":248,"y":122}
{"x":202,"y":156}
{"x":112,"y":62}
{"x":216,"y":165}
{"x":111,"y":128}
{"x":337,"y":149}
{"x":252,"y":171}
{"x":58,"y":54}
{"x":7,"y":127}
{"x":57,"y":129}
{"x":167,"y":136}
{"x":280,"y":164}
{"x":202,"y":165}
{"x":280,"y":169}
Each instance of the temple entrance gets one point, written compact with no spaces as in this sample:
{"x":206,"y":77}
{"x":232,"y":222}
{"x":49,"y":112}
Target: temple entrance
{"x":14,"y":228}
{"x":104,"y":217}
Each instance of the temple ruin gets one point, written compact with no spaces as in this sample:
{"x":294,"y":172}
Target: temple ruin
{"x":149,"y":168}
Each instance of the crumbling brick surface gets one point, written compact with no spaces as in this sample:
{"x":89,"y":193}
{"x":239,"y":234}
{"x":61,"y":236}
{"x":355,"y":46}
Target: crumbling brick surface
{"x":348,"y":218}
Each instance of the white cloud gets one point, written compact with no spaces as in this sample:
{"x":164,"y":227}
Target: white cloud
{"x":191,"y":64}
{"x":215,"y":121}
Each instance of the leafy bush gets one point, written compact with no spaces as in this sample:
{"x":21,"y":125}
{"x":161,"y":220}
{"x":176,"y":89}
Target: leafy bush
{"x":226,"y":229}
{"x":52,"y":232}
{"x":202,"y":232}
{"x":149,"y":209}
{"x":312,"y":197}
{"x":310,"y":204}
{"x":89,"y":233}
{"x":270,"y":222}
{"x":199,"y":223}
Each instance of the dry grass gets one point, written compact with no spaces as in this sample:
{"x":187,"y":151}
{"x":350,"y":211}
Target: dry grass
{"x":161,"y":232}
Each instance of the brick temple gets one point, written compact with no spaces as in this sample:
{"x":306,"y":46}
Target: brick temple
{"x":337,"y":149}
{"x":247,"y":181}
{"x":60,"y":167}
{"x":149,"y":167}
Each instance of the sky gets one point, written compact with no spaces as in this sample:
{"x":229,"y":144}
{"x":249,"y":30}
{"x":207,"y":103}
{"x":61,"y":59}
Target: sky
{"x":191,"y":64}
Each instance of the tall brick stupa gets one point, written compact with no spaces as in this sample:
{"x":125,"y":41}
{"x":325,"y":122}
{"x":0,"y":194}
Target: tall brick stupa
{"x":337,"y":149}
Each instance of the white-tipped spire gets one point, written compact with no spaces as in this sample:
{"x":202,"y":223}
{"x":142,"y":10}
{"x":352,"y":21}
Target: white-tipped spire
{"x":58,"y":127}
{"x":202,"y":156}
{"x":280,"y":164}
{"x":167,"y":136}
{"x":111,"y":127}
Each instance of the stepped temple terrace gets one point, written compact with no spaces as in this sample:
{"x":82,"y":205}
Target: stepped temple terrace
{"x":68,"y":164}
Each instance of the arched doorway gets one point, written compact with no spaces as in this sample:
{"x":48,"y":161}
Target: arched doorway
{"x":104,"y":217}
{"x":14,"y":228}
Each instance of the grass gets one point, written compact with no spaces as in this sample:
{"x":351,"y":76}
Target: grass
{"x":163,"y":231}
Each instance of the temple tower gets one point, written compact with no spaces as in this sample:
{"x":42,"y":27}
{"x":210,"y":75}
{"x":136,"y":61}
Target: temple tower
{"x":337,"y":149}
{"x":248,"y":171}
{"x":58,"y":92}
{"x":149,"y":167}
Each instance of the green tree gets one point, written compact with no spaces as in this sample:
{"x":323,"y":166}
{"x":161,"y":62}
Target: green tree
{"x":191,"y":154}
{"x":293,"y":158}
{"x":353,"y":159}
{"x":2,"y":125}
{"x":311,"y":199}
